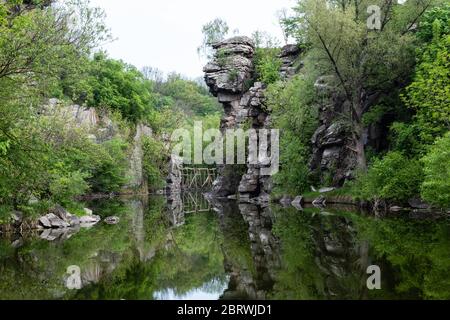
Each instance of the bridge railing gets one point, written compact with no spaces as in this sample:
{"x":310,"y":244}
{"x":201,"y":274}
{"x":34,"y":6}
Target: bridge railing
{"x":197,"y":178}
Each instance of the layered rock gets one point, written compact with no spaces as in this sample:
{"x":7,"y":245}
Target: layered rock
{"x":136,"y":172}
{"x":230,"y":76}
{"x":102,"y":128}
{"x":255,"y":187}
{"x":174,"y":178}
{"x":288,"y":56}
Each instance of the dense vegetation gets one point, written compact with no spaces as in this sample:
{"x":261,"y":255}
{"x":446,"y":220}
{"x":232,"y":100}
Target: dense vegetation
{"x":45,"y":156}
{"x":398,"y":75}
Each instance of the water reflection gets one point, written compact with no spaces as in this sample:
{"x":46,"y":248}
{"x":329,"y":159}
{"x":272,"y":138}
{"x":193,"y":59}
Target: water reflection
{"x":209,"y":291}
{"x":190,"y":248}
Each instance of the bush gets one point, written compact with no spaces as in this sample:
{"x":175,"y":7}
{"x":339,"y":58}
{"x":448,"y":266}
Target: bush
{"x":154,"y":162}
{"x":268,"y":65}
{"x":67,"y":186}
{"x":293,"y":177}
{"x":436,"y":186}
{"x":291,"y":105}
{"x":110,"y":175}
{"x":393,"y":178}
{"x":403,"y":138}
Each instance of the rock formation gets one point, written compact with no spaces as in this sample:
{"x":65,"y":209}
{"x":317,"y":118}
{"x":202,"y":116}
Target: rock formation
{"x":231,"y":78}
{"x":333,"y":155}
{"x":174,"y":178}
{"x":102,"y":128}
{"x":136,"y":172}
{"x":228,"y":76}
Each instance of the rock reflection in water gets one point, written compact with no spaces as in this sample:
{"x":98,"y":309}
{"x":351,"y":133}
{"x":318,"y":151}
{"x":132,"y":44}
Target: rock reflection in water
{"x":187,"y":248}
{"x":247,"y":231}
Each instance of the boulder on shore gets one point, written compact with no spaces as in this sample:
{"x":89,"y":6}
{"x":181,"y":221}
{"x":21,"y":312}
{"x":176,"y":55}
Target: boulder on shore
{"x":298,"y":203}
{"x":93,"y":219}
{"x":286,"y":201}
{"x":112,"y":220}
{"x":51,"y":221}
{"x":320,"y":201}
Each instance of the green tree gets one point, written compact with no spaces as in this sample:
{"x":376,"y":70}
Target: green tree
{"x":429,"y":94}
{"x":364,"y":64}
{"x":436,"y":186}
{"x":213,"y":32}
{"x":118,"y":86}
{"x":394,"y":177}
{"x":188,"y":96}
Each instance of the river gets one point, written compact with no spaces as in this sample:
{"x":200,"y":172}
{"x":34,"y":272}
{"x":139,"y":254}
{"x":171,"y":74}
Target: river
{"x":228,"y":250}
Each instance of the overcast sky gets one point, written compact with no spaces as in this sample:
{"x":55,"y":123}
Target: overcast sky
{"x":166,"y":33}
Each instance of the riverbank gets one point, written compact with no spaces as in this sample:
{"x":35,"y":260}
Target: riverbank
{"x":380,"y":208}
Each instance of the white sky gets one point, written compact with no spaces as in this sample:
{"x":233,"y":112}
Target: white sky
{"x":165,"y":34}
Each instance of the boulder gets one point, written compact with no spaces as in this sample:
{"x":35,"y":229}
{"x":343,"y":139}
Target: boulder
{"x":325,"y":190}
{"x":17,"y":218}
{"x":51,"y":221}
{"x":74,"y":221}
{"x":89,"y":212}
{"x":92,"y":219}
{"x":298,"y":203}
{"x":62,"y":213}
{"x":45,"y":222}
{"x":57,"y":222}
{"x":418,"y":204}
{"x":320,"y":201}
{"x":286,"y":201}
{"x":112,"y":220}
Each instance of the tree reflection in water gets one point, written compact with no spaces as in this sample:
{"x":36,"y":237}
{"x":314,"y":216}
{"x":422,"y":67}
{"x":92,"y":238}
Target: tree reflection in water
{"x":233,"y":251}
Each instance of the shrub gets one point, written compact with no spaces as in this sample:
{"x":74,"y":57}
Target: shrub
{"x":154,"y":162}
{"x":66,"y":186}
{"x":294,"y":174}
{"x":436,"y":186}
{"x":394,"y":178}
{"x":291,"y":105}
{"x":110,"y":175}
{"x":268,"y":65}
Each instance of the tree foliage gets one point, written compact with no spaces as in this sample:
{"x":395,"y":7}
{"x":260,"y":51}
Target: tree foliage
{"x":394,"y":177}
{"x":429,"y":94}
{"x":436,"y":185}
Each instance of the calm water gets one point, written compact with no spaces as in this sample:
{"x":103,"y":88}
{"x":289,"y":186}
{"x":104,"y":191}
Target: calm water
{"x":229,"y":251}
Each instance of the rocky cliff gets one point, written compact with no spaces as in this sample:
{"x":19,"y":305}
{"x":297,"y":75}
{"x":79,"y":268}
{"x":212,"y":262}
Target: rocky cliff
{"x":102,"y":128}
{"x":231,"y":78}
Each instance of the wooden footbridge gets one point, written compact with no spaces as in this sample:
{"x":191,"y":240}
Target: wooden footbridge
{"x":197,"y":178}
{"x":194,"y":202}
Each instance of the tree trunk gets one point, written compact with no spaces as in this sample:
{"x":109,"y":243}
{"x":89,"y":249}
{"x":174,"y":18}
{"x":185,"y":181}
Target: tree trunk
{"x":359,"y":141}
{"x":360,"y":152}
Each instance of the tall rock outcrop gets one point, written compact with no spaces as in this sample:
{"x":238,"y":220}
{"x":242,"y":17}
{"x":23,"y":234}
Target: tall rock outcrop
{"x":228,"y":76}
{"x":136,"y":171}
{"x":231,"y":78}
